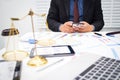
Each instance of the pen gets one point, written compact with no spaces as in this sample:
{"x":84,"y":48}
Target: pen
{"x":112,"y":33}
{"x":50,"y":65}
{"x":98,"y":34}
{"x":63,"y":36}
{"x":2,"y":60}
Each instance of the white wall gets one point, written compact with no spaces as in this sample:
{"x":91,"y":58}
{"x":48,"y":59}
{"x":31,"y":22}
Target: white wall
{"x":14,"y":8}
{"x":18,"y":9}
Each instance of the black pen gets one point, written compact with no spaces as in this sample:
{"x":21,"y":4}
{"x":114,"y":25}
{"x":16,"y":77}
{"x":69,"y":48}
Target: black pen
{"x":112,"y":33}
{"x":98,"y":34}
{"x":2,"y":60}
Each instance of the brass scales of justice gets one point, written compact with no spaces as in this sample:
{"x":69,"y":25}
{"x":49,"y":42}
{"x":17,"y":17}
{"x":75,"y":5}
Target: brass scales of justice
{"x":16,"y":54}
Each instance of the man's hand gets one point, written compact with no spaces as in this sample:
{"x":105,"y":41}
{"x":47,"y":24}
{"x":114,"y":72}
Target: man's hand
{"x":84,"y":27}
{"x":67,"y":27}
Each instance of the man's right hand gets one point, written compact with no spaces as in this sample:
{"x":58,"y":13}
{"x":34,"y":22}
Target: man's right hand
{"x":67,"y":27}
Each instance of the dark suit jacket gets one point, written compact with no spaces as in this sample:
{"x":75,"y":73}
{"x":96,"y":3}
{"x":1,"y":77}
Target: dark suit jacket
{"x":59,"y":13}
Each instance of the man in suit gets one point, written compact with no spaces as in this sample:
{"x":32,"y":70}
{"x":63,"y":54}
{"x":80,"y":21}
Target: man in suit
{"x":61,"y":15}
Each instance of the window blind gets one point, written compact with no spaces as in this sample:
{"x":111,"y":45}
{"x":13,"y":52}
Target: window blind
{"x":111,"y":12}
{"x":42,"y":7}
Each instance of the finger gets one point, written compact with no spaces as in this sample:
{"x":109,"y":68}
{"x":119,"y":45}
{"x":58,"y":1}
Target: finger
{"x":69,"y":23}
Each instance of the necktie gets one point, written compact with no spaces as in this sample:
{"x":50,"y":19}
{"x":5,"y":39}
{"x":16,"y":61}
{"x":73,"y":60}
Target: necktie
{"x":76,"y":12}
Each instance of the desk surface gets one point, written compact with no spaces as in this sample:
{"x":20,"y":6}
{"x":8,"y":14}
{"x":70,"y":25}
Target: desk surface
{"x":89,"y":43}
{"x":81,"y":42}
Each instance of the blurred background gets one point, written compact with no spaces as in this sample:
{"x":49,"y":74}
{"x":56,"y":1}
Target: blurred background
{"x":20,"y":8}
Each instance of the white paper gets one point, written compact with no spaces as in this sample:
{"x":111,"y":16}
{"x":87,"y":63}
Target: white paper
{"x":7,"y":70}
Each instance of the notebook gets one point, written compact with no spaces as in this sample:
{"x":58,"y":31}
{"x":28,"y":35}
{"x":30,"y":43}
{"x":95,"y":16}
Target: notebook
{"x":7,"y":70}
{"x":87,"y":66}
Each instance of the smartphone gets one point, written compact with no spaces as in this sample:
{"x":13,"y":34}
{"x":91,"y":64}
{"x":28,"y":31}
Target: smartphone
{"x":76,"y":24}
